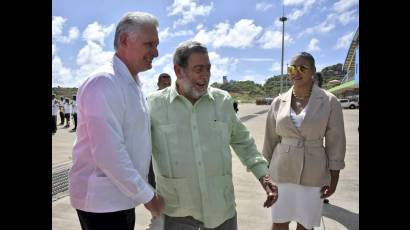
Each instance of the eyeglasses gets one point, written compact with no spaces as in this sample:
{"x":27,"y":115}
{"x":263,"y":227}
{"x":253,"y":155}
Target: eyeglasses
{"x":292,"y":69}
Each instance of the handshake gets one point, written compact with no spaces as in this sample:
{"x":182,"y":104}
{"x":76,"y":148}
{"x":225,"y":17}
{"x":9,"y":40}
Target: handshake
{"x":156,"y":205}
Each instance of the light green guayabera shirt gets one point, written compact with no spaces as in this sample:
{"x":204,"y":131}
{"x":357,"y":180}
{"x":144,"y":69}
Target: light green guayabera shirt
{"x":191,"y":154}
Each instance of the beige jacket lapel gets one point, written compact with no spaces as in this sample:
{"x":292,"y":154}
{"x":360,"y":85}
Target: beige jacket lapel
{"x":315,"y":102}
{"x":284,"y":112}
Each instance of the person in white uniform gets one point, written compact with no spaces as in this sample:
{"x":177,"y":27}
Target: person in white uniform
{"x":112,"y":150}
{"x":74,"y":112}
{"x":305,"y":144}
{"x":67,"y":112}
{"x":54,"y":111}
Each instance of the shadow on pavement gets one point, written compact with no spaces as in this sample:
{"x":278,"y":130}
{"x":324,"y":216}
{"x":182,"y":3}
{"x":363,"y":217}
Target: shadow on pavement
{"x":343,"y":216}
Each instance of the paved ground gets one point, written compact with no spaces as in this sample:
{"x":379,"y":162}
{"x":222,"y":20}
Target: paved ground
{"x":341,"y":213}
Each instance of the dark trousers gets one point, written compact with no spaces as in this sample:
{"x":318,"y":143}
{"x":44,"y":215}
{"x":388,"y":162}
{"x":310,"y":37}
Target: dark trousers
{"x":189,"y":223}
{"x":75,"y":120}
{"x":121,"y":220}
{"x":67,"y":119}
{"x":61,"y":118}
{"x":151,"y":175}
{"x":53,"y":123}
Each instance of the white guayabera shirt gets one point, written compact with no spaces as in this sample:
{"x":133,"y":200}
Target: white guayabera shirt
{"x":111,"y":154}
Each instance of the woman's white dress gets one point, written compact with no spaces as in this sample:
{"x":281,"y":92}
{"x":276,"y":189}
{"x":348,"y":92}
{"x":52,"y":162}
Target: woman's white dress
{"x":297,"y":202}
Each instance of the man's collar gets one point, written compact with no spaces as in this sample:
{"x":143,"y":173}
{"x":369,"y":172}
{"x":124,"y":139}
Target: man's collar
{"x":125,"y":74}
{"x":174,"y":92}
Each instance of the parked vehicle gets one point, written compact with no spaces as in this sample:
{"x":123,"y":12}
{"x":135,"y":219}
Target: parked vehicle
{"x":349,"y":103}
{"x":264,"y":101}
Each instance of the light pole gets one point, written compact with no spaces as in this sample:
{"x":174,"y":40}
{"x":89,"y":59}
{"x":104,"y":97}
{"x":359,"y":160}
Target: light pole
{"x":286,"y":79}
{"x":282,"y":19}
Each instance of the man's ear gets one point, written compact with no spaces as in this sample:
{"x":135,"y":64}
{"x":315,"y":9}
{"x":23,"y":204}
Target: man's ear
{"x":178,"y":71}
{"x":123,"y":40}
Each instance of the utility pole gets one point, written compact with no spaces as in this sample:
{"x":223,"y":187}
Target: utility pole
{"x":282,"y":19}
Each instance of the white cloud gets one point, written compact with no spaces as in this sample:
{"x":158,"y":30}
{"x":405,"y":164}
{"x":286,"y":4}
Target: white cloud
{"x":53,"y":49}
{"x":263,"y":6}
{"x":97,"y":33}
{"x":343,"y":5}
{"x":344,"y":41}
{"x":163,"y":60}
{"x":313,"y":45}
{"x":166,"y":34}
{"x":293,"y":2}
{"x":221,"y":66}
{"x":339,"y":16}
{"x":347,"y":17}
{"x":275,"y":68}
{"x":273,"y":39}
{"x":89,"y":58}
{"x":73,"y":33}
{"x":159,"y":65}
{"x":256,"y":59}
{"x":61,"y":75}
{"x":57,"y":25}
{"x":189,"y":10}
{"x":327,"y":25}
{"x":257,"y":78}
{"x":241,"y":35}
{"x":297,"y":13}
{"x":248,"y":78}
{"x":200,"y":26}
{"x":278,"y":24}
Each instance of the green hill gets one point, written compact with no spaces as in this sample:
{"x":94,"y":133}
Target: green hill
{"x":246,"y":91}
{"x":64,"y":92}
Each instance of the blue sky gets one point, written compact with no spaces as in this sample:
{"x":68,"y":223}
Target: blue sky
{"x":243,"y":37}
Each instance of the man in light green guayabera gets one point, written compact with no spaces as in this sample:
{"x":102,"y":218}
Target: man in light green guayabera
{"x":192,"y":127}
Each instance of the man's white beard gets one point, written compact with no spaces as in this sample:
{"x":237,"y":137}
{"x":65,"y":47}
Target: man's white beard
{"x":190,"y":90}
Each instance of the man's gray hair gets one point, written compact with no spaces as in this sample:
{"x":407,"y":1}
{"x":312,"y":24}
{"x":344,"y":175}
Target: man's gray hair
{"x":184,"y":51}
{"x":132,"y":22}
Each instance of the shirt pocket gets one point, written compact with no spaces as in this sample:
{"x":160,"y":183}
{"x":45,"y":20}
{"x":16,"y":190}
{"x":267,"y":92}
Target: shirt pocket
{"x":175,"y":192}
{"x":222,"y":195}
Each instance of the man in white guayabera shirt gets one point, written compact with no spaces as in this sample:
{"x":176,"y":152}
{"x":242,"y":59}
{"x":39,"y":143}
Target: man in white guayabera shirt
{"x":112,"y":151}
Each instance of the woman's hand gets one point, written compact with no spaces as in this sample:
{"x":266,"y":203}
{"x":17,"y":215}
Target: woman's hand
{"x":328,"y":190}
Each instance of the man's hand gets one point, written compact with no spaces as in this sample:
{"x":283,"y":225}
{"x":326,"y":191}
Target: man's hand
{"x":156,"y":205}
{"x":271,"y":190}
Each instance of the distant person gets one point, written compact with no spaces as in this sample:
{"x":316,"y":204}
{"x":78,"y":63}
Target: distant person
{"x":61,"y":106}
{"x":318,"y":79}
{"x":54,"y":111}
{"x":67,"y":112}
{"x":74,"y":112}
{"x":305,"y":169}
{"x":112,"y":150}
{"x":235,"y":106}
{"x":164,"y":80}
{"x":193,"y":126}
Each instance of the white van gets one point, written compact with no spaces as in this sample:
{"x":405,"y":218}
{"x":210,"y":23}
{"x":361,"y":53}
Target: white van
{"x":348,"y":103}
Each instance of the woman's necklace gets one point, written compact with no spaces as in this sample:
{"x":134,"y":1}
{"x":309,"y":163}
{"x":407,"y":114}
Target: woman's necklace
{"x":302,"y":97}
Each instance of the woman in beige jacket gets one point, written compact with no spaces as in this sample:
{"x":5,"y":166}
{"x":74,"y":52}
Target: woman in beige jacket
{"x":305,"y":144}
